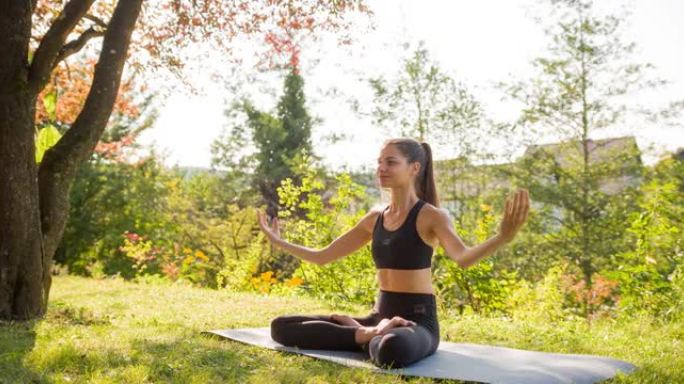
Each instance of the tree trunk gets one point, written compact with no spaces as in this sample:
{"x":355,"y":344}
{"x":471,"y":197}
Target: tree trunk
{"x":34,"y":202}
{"x":23,"y":265}
{"x":21,"y":258}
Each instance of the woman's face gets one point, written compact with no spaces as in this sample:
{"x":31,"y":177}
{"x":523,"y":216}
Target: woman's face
{"x":393,"y":168}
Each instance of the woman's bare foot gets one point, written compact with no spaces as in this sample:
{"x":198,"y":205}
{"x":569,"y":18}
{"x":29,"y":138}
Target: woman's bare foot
{"x":364,"y":334}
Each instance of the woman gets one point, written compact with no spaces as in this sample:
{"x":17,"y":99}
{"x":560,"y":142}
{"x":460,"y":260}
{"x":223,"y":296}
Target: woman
{"x":402,"y":328}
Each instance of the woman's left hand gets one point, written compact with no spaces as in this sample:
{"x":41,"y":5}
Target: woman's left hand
{"x":515,"y":214}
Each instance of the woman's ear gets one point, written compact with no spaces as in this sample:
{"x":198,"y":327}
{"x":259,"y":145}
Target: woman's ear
{"x":416,"y":167}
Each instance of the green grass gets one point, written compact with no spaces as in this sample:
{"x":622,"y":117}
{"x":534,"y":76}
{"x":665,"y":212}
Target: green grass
{"x":115,"y":331}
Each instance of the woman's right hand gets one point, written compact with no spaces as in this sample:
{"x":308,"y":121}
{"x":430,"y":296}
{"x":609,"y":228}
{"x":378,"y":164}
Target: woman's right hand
{"x":386,"y":324}
{"x":365,"y":333}
{"x":271,"y":233}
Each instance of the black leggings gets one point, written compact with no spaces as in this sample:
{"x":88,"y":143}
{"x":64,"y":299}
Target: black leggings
{"x":398,"y":347}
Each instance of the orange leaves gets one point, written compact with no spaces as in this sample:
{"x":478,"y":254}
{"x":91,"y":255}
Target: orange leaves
{"x":602,"y":289}
{"x":293,"y":282}
{"x":71,"y":85}
{"x":266,"y":282}
{"x":170,"y":270}
{"x":114,"y":150}
{"x":201,"y":256}
{"x":284,"y":46}
{"x":280,"y":45}
{"x":62,"y":100}
{"x":216,"y":23}
{"x":167,"y":28}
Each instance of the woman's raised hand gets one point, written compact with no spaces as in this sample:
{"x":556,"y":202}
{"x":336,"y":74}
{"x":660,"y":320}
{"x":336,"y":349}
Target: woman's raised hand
{"x":515,"y":214}
{"x":271,"y":233}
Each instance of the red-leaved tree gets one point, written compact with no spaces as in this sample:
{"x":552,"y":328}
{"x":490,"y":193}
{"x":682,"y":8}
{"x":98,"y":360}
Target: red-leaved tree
{"x":36,"y":36}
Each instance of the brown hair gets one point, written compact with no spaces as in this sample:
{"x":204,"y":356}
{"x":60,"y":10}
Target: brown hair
{"x":422,"y":153}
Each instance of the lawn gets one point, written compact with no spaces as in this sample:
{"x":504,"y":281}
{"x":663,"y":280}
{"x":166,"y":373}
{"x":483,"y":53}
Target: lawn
{"x":116,"y":331}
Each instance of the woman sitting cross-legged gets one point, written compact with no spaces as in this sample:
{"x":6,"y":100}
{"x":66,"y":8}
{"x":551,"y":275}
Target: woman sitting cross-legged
{"x":402,"y":328}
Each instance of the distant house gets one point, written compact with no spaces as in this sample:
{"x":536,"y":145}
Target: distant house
{"x":458,"y":179}
{"x":679,"y":154}
{"x":623,"y":150}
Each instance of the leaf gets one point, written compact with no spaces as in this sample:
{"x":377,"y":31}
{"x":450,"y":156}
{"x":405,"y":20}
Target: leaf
{"x":47,"y":137}
{"x":50,"y":103}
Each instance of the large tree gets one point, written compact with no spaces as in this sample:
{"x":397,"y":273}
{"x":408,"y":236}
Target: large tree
{"x":34,"y":200}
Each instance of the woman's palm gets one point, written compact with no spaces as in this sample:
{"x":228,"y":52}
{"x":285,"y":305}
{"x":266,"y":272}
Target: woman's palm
{"x":515,"y":214}
{"x":271,"y":232}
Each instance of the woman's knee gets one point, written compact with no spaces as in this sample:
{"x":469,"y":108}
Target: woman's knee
{"x":391,"y":350}
{"x":279,"y":330}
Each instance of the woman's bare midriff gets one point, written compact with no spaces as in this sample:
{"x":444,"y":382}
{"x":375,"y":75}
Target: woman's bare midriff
{"x":405,"y":280}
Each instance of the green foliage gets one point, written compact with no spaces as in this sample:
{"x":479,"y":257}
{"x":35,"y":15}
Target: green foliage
{"x":266,"y":143}
{"x":578,"y":90}
{"x":648,"y":271}
{"x":243,"y":274}
{"x":542,"y":302}
{"x":349,"y":280}
{"x":46,"y":138}
{"x":50,"y":104}
{"x":481,"y":287}
{"x":106,"y":201}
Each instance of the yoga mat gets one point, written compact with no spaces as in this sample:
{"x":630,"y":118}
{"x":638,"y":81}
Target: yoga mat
{"x":464,"y":361}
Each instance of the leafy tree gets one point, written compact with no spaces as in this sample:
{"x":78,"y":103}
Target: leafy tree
{"x":648,"y":269}
{"x":279,"y":139}
{"x":578,"y":90}
{"x":34,"y":200}
{"x":424,"y":102}
{"x":108,"y":200}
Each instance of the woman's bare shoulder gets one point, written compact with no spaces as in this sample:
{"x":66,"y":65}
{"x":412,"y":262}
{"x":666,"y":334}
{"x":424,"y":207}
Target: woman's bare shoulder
{"x":369,"y":219}
{"x":433,"y":214}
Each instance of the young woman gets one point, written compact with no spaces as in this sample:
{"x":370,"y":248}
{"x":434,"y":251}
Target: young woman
{"x":402,"y":327}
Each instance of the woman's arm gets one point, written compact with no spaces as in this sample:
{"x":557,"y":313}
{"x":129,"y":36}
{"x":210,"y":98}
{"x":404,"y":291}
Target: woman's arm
{"x":344,"y":245}
{"x":305,"y":253}
{"x":350,"y":241}
{"x":515,"y":215}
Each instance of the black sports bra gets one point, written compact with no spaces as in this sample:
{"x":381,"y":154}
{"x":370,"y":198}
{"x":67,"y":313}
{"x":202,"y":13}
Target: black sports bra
{"x":401,"y":248}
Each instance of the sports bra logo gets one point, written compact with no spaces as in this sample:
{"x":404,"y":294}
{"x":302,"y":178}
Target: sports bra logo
{"x":386,"y":241}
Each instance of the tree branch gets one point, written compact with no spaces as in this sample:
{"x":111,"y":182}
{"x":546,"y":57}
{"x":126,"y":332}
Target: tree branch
{"x":96,"y":20}
{"x":76,"y":45}
{"x":60,"y":163}
{"x":49,"y":48}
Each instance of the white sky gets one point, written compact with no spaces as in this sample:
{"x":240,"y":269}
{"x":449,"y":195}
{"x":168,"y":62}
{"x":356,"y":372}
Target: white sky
{"x":477,"y":42}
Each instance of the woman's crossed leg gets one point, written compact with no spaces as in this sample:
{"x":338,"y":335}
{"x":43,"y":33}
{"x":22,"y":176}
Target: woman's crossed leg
{"x":319,"y":331}
{"x":402,"y":346}
{"x":394,"y":348}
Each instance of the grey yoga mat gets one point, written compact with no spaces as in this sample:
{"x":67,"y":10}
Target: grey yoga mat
{"x":464,"y":361}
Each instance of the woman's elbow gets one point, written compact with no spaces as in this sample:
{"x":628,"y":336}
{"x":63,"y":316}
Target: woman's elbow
{"x":459,"y":258}
{"x":461,"y":263}
{"x":321,"y":257}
